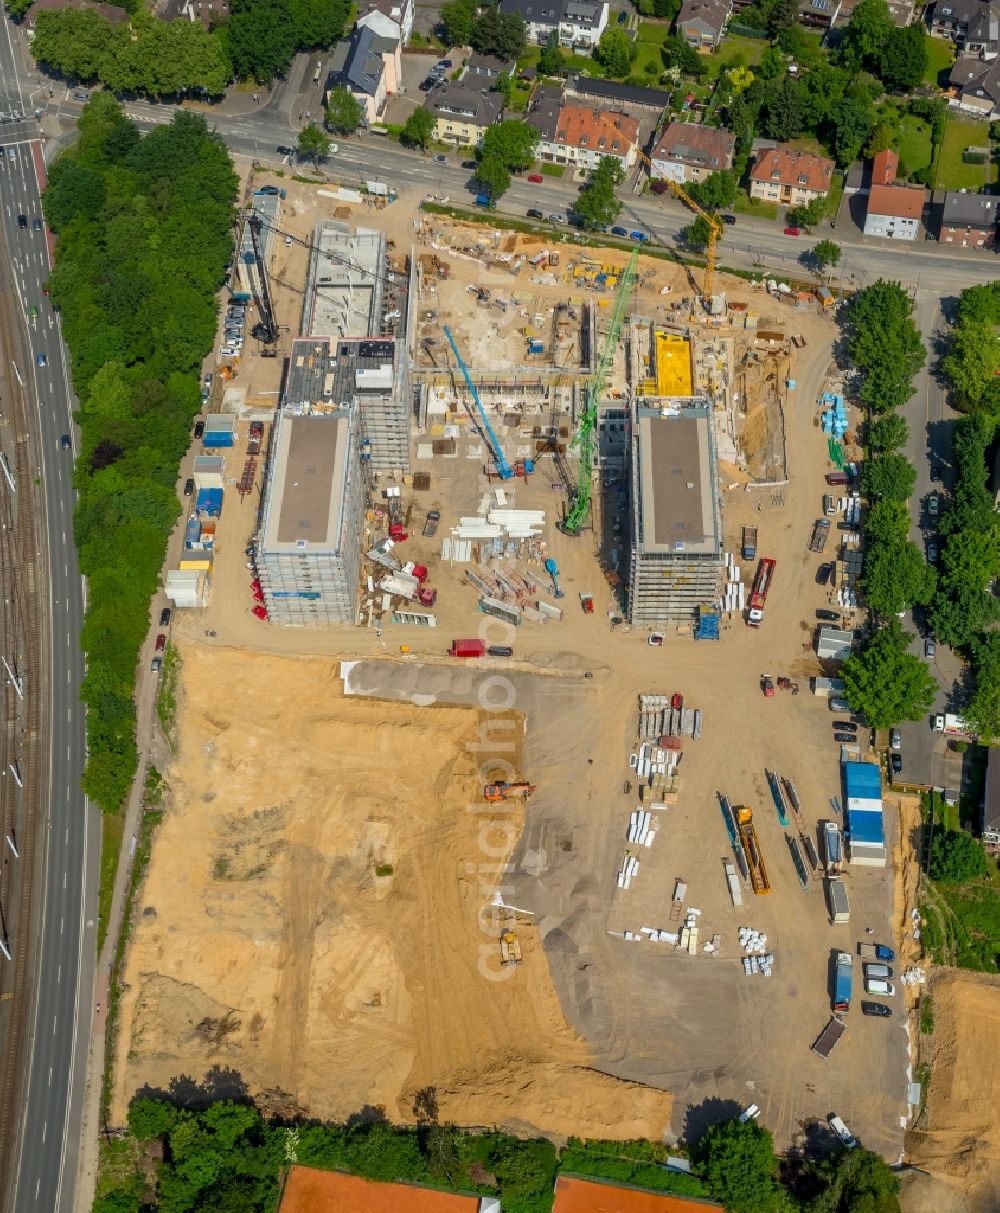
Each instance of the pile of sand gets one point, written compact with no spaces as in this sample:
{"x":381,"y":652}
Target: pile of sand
{"x":315,"y":918}
{"x":960,"y":1143}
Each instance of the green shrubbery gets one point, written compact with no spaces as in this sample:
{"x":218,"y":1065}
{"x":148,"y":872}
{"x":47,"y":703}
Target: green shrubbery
{"x":144,"y":233}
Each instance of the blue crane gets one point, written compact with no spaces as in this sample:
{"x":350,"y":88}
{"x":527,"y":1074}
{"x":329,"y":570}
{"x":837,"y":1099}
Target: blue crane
{"x":504,"y":470}
{"x":553,"y":571}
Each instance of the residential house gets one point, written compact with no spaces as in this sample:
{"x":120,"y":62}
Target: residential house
{"x":400,"y":11}
{"x":575,"y":1194}
{"x":968,"y":220}
{"x":900,"y":11}
{"x":623,"y":96}
{"x":308,"y":1190}
{"x":688,"y":152}
{"x":973,"y":25}
{"x":463,"y":114}
{"x":702,"y":23}
{"x":991,"y":803}
{"x":790,"y":177}
{"x":975,"y":86}
{"x":818,"y":14}
{"x":209,"y":13}
{"x":579,"y":23}
{"x":543,"y":111}
{"x":483,"y":71}
{"x":369,"y":66}
{"x":581,"y":136}
{"x":110,"y":12}
{"x":386,"y":28}
{"x":894,"y":211}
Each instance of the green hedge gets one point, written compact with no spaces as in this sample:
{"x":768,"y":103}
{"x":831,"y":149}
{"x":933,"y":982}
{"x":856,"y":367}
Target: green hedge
{"x":144,"y":230}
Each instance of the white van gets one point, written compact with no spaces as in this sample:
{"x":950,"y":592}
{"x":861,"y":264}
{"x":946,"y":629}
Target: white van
{"x":878,"y":972}
{"x":842,"y":1131}
{"x":750,"y":1113}
{"x":884,"y":988}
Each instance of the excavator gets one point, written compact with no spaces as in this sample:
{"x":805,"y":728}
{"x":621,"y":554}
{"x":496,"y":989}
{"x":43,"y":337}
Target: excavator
{"x":507,"y":791}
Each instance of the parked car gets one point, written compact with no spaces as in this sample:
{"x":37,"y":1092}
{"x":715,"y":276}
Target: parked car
{"x":619,"y":231}
{"x":728,"y":220}
{"x":842,"y":1131}
{"x":896,"y":764}
{"x":932,"y":551}
{"x":880,"y":972}
{"x":930,"y":648}
{"x":439,"y":159}
{"x":848,"y":725}
{"x":189,"y":486}
{"x":208,"y":379}
{"x":500,"y":650}
{"x":161,"y":642}
{"x":935,"y":473}
{"x":81,"y":96}
{"x":837,"y":704}
{"x":895,"y":739}
{"x":845,"y":738}
{"x":827,"y":616}
{"x":199,"y":428}
{"x":823,"y":573}
{"x":749,"y":1113}
{"x":557,"y":218}
{"x":283,"y":151}
{"x":885,"y":989}
{"x":791,"y":231}
{"x":933,"y":504}
{"x":165,"y":617}
{"x":156,"y":665}
{"x":876,"y":1008}
{"x":535,"y":213}
{"x":536,"y":178}
{"x":229,"y":351}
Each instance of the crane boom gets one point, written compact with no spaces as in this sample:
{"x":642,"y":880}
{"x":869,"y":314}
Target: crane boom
{"x":267,"y":330}
{"x":504,"y":470}
{"x":584,"y":437}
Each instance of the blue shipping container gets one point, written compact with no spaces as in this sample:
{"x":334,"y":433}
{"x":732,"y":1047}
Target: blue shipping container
{"x":219,"y":438}
{"x":192,"y":533}
{"x":209,"y":503}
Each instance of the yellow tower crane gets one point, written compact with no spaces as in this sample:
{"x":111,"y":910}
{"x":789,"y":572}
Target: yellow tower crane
{"x":714,"y":232}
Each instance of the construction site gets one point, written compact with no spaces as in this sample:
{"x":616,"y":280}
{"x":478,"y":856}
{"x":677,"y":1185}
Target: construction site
{"x":538,"y":865}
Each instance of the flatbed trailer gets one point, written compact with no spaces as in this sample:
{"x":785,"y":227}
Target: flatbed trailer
{"x":778,"y":796}
{"x":827,"y":1040}
{"x":755,"y":860}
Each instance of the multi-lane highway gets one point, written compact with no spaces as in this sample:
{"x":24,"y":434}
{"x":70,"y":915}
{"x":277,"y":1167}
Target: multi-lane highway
{"x":44,"y":1167}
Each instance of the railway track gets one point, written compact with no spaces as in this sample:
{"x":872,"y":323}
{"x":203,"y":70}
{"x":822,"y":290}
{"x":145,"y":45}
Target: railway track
{"x":23,"y":725}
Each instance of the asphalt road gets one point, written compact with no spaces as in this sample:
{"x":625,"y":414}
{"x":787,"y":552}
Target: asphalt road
{"x":51,"y":1130}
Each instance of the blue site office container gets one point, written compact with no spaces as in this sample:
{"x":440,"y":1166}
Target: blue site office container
{"x":209,"y":503}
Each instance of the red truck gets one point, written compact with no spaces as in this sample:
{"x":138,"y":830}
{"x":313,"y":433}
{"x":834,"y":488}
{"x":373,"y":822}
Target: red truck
{"x":758,"y":593}
{"x":255,"y":438}
{"x":467,"y":648}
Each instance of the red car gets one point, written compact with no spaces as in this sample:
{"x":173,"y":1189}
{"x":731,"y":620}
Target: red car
{"x":535,"y":177}
{"x":161,"y":643}
{"x":791,"y":231}
{"x":259,"y":611}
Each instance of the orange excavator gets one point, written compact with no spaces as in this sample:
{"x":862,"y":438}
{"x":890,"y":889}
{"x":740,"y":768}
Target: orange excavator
{"x":508,"y":791}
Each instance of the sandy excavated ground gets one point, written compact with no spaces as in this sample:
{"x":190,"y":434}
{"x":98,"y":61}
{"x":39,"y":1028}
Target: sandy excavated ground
{"x":961,"y":1144}
{"x":266,"y":943}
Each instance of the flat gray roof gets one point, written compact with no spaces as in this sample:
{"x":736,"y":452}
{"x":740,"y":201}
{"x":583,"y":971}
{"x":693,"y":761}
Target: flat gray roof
{"x":346,"y":299}
{"x":307,"y":483}
{"x":676,"y":485}
{"x":308,"y":367}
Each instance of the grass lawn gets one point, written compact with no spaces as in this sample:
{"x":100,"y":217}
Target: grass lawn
{"x":940,"y":57}
{"x":519,"y":95}
{"x":735,"y":47}
{"x":653,"y":31}
{"x":553,"y":170}
{"x":112,"y":828}
{"x":648,"y":62}
{"x":914,"y":142}
{"x":581,"y":65}
{"x":745,"y":205}
{"x":952,"y":173}
{"x":834,"y":195}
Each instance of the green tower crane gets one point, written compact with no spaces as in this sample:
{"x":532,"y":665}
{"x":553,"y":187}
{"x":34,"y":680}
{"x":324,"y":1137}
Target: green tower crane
{"x":583,"y":439}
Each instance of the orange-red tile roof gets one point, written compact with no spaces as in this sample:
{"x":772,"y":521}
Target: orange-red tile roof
{"x":579,"y":122}
{"x":592,"y":1196}
{"x":901,"y":201}
{"x":884,"y":167}
{"x":311,"y":1191}
{"x":795,"y":169}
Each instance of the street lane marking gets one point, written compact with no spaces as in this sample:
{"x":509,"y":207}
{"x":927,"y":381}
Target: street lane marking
{"x":45,"y":1132}
{"x":54,"y":1022}
{"x":50,"y":1076}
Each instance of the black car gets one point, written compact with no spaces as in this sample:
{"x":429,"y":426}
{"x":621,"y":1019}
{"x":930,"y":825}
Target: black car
{"x":64,"y":442}
{"x":847,"y":725}
{"x":936,"y":473}
{"x":535,"y":213}
{"x":896,"y":763}
{"x":199,"y":428}
{"x":823,"y":574}
{"x":877,"y":1009}
{"x":829,"y":616}
{"x":728,"y":220}
{"x":469,"y":164}
{"x":500,"y":650}
{"x":189,"y":486}
{"x":22,"y":221}
{"x":845,"y":737}
{"x":282,"y":150}
{"x":165,"y":617}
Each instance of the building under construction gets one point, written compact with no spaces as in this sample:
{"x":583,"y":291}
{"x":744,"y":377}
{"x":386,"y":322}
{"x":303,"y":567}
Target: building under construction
{"x":676,"y":558}
{"x":312,"y":515}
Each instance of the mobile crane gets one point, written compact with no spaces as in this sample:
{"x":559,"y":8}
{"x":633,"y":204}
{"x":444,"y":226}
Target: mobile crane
{"x":266,"y":328}
{"x":504,"y":470}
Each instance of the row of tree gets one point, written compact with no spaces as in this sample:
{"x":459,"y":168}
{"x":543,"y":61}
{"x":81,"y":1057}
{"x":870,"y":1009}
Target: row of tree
{"x":884,"y":680}
{"x":486,"y":29}
{"x":144,"y":230}
{"x":227,"y":1157}
{"x":174,"y":58}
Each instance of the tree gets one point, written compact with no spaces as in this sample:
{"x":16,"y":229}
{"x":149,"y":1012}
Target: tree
{"x":851,"y":122}
{"x":826,"y":253}
{"x":261,"y":37}
{"x":457,"y":19}
{"x":524,"y":1168}
{"x":973,"y":362}
{"x":983,"y":711}
{"x":904,"y":58}
{"x":737,"y":1163}
{"x":698,"y":233}
{"x":856,"y":1180}
{"x":784,"y":109}
{"x":888,"y":433}
{"x":493,"y":177}
{"x":118,"y":1200}
{"x":867,"y":34}
{"x":343,"y":111}
{"x":808,"y":214}
{"x":511,"y":143}
{"x":615,"y":52}
{"x":550,"y":61}
{"x":666,"y":10}
{"x":313,"y":144}
{"x":971,"y":557}
{"x":718,"y":190}
{"x":418,"y":129}
{"x":886,"y":682}
{"x":597,"y":205}
{"x":956,"y":857}
{"x":380,"y":1152}
{"x":888,"y":476}
{"x":895,"y":576}
{"x":500,"y":34}
{"x":151,"y":1118}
